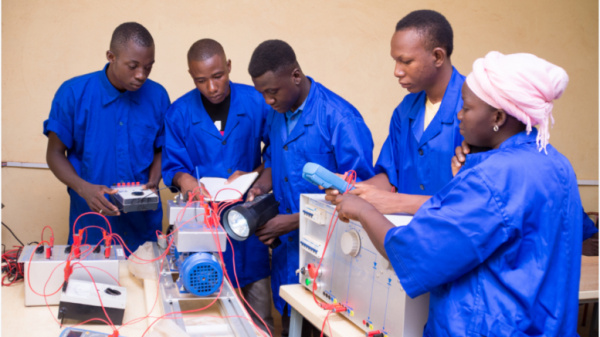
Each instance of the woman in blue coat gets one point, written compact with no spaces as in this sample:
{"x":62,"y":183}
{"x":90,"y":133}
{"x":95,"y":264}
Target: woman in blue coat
{"x":499,"y":247}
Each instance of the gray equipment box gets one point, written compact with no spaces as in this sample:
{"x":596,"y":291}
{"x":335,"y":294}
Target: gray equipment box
{"x":180,"y":211}
{"x":81,"y":301}
{"x":134,"y":199}
{"x":46,"y":276}
{"x":197,"y":237}
{"x":354,"y":274}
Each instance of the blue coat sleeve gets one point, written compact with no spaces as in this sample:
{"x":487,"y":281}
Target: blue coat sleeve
{"x":265,"y":128}
{"x":175,"y":157}
{"x":450,"y":235}
{"x":159,"y":142}
{"x":353,"y":147}
{"x":386,"y":163}
{"x":266,"y":139}
{"x":61,"y":120}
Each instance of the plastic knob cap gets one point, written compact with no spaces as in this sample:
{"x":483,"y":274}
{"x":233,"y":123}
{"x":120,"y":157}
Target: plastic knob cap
{"x":350,"y":243}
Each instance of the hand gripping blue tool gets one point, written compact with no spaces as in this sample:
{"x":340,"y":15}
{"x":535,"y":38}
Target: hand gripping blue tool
{"x":321,"y":176}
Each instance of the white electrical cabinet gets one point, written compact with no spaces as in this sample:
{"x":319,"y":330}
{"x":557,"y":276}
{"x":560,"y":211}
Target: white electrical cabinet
{"x":354,"y":274}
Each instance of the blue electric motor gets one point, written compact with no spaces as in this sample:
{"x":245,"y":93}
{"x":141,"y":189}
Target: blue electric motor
{"x":201,"y":274}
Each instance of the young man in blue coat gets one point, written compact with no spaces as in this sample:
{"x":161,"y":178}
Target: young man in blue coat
{"x":308,"y":123}
{"x":107,"y":127}
{"x":415,"y":158}
{"x":216,"y":130}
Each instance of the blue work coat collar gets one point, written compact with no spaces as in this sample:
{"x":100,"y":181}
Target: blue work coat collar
{"x":514,"y":141}
{"x":447,"y":111}
{"x":520,"y":138}
{"x":207,"y":124}
{"x":307,"y":117}
{"x":110,"y":93}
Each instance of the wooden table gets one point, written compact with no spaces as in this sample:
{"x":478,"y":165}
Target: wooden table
{"x":19,"y":320}
{"x":588,"y":293}
{"x":144,"y":306}
{"x":303,"y":304}
{"x":588,"y":284}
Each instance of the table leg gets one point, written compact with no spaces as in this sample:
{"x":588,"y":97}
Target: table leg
{"x":295,"y":323}
{"x":594,"y":323}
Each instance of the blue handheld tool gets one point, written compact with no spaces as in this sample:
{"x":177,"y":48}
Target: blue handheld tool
{"x":321,"y":176}
{"x":73,"y":332}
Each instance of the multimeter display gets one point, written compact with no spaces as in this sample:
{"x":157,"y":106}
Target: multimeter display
{"x":73,"y":333}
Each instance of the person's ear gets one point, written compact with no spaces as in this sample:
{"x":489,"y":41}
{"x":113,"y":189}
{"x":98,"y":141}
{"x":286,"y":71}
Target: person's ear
{"x":296,"y":76}
{"x":500,"y":117}
{"x":228,"y":66}
{"x":439,"y":55}
{"x":110,"y":56}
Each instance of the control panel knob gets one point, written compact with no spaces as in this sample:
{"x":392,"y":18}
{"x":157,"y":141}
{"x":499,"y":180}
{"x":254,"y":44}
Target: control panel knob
{"x":350,"y":243}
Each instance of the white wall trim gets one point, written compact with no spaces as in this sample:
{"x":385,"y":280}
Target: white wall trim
{"x":26,"y":165}
{"x":45,"y":166}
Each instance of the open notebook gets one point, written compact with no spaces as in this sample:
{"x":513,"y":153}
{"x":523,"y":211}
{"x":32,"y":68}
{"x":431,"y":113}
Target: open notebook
{"x":234,"y":190}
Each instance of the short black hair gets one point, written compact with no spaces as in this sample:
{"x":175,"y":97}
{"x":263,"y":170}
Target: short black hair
{"x":432,"y":26}
{"x":204,"y":49}
{"x":271,"y":55}
{"x":130,"y":31}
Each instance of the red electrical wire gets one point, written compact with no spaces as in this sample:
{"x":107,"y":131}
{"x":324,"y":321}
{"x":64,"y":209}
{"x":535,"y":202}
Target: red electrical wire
{"x":212,"y":220}
{"x":351,"y":180}
{"x":213,"y":216}
{"x":11,"y":268}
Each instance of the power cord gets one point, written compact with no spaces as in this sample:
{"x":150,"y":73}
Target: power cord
{"x":13,"y":234}
{"x":11,"y":268}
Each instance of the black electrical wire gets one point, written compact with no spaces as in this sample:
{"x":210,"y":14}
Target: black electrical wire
{"x":11,"y":232}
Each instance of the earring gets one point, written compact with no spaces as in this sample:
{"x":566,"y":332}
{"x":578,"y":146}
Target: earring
{"x":496,"y":128}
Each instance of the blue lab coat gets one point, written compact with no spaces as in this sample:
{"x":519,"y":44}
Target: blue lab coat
{"x":330,"y":132}
{"x":193,"y":142}
{"x":499,"y":247}
{"x":110,"y":138}
{"x":422,"y":167}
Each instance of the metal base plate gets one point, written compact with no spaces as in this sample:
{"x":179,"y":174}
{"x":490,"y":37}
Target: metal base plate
{"x":225,"y":317}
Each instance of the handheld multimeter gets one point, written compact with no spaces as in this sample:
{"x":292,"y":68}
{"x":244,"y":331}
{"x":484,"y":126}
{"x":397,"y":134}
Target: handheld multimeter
{"x":321,"y":176}
{"x":74,"y":332}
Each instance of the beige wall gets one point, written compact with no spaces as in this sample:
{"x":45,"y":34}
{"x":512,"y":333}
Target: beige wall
{"x":342,"y":44}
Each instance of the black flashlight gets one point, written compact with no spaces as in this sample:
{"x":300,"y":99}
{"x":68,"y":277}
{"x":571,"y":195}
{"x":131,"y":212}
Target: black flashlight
{"x":241,"y":221}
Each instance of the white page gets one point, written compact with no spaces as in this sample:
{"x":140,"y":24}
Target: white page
{"x":241,"y":184}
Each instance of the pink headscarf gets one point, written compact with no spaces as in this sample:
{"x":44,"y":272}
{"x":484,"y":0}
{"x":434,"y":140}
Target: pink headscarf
{"x":523,"y":85}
